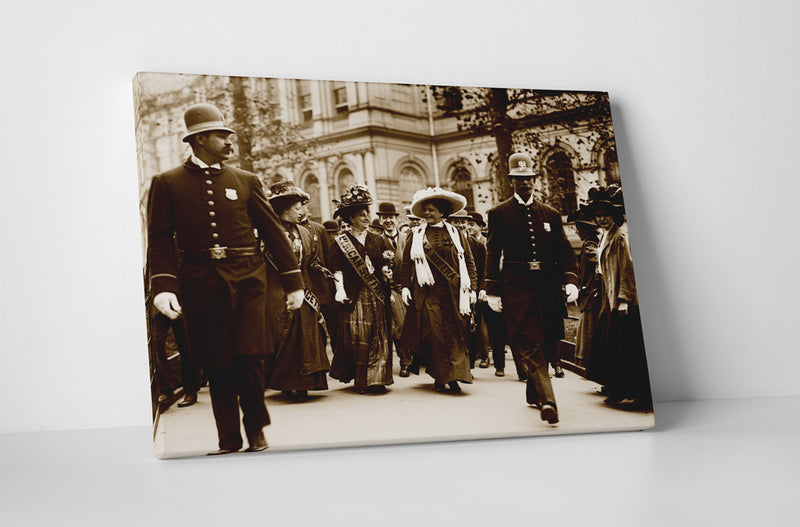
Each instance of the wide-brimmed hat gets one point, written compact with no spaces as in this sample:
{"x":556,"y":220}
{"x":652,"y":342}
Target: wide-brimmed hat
{"x":201,"y":118}
{"x":457,"y":201}
{"x":460,"y":215}
{"x":355,"y":196}
{"x":605,"y":198}
{"x":583,"y":217}
{"x":477,"y":218}
{"x":387,"y":208}
{"x":521,"y":165}
{"x":284,"y":192}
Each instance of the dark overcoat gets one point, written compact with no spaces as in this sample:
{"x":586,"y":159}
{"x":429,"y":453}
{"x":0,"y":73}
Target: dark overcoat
{"x":533,"y":302}
{"x":223,"y":299}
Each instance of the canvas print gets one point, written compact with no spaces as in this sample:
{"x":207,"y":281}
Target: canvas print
{"x":338,"y":263}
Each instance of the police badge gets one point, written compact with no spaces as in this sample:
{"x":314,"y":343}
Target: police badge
{"x":231,"y":194}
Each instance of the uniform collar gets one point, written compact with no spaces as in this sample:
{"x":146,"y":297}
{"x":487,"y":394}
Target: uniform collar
{"x":202,"y":164}
{"x":519,"y":200}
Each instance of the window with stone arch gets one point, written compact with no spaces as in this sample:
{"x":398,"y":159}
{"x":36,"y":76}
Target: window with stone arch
{"x":311,"y":186}
{"x":410,"y":179}
{"x":344,"y":180}
{"x":461,"y":182}
{"x":561,"y":182}
{"x":611,"y":167}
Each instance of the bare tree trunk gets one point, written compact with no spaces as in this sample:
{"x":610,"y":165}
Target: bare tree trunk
{"x":244,"y":123}
{"x":502,"y":135}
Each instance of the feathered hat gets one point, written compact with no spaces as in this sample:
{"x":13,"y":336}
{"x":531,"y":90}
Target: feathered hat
{"x":355,"y":196}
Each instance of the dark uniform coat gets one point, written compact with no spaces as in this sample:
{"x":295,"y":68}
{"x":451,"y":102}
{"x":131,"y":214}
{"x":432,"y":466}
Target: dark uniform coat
{"x":223,"y":299}
{"x":533,"y":301}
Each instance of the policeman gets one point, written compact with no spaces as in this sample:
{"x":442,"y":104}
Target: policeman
{"x":210,"y":210}
{"x":537,"y":260}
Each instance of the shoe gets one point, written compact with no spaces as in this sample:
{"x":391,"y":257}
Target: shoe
{"x":222,"y":451}
{"x":361,"y":390}
{"x":188,"y":400}
{"x":163,"y":398}
{"x":601,"y":391}
{"x":257,"y":443}
{"x":614,"y":399}
{"x":484,"y":363}
{"x":287,"y":393}
{"x":439,"y":387}
{"x":531,"y":395}
{"x":454,"y":387}
{"x":559,"y":371}
{"x":302,"y":395}
{"x":549,"y":413}
{"x":499,"y":373}
{"x":404,"y":372}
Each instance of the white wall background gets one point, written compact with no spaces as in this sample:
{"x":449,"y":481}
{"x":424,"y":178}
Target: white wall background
{"x":704,"y":97}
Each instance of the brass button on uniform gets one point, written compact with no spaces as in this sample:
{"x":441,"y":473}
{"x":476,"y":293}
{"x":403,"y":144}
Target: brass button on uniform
{"x":208,"y":182}
{"x":211,"y":203}
{"x":213,"y":224}
{"x":209,"y":192}
{"x":212,"y":213}
{"x":215,"y":235}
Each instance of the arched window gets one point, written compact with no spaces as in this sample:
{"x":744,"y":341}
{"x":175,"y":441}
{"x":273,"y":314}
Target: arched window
{"x":610,"y":167}
{"x":410,"y":181}
{"x":345,"y":179}
{"x":312,"y":187}
{"x":561,"y":183}
{"x":461,"y":182}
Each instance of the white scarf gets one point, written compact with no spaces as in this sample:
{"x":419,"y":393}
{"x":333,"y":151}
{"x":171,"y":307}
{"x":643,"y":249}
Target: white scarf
{"x":423,"y":269}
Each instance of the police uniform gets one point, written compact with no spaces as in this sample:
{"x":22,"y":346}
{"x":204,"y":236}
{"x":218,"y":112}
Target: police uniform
{"x":210,"y":214}
{"x":537,"y":260}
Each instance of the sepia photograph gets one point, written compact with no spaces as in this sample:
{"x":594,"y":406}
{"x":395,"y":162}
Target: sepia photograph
{"x":340,"y":263}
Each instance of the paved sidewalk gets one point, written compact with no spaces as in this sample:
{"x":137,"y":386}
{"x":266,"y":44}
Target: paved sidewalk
{"x":409,"y":412}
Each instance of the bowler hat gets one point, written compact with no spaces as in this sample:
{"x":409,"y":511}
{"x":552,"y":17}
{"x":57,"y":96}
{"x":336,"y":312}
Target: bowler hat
{"x":387,"y":208}
{"x":520,"y":165}
{"x":201,"y":118}
{"x":376,"y":224}
{"x":460,"y":215}
{"x":331,"y":226}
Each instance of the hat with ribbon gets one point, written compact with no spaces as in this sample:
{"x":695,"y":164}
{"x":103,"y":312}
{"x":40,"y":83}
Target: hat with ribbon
{"x":520,"y":165}
{"x":355,"y":196}
{"x":583,"y":217}
{"x":376,"y":224}
{"x":460,"y":215}
{"x":605,"y":198}
{"x":477,"y":218}
{"x":331,"y":226}
{"x":282,"y":193}
{"x":421,"y":197}
{"x":201,"y":118}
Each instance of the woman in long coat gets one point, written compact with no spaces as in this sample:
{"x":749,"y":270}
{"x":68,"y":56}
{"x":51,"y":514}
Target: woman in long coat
{"x":439,"y":285}
{"x":590,"y":289}
{"x":618,"y":359}
{"x":299,"y":362}
{"x":362,"y":352}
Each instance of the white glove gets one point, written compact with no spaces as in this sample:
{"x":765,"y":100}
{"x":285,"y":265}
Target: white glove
{"x":167,"y":303}
{"x":341,"y":295}
{"x":572,"y":293}
{"x":482,"y":296}
{"x":405,"y":294}
{"x":495,"y":303}
{"x":473,"y":298}
{"x":294,"y":299}
{"x":623,"y":308}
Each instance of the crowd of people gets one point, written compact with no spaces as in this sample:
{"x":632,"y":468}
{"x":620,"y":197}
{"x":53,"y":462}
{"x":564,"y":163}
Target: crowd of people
{"x":259,"y":292}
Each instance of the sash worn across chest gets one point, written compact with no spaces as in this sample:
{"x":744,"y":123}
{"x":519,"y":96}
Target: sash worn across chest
{"x":440,"y":263}
{"x":358,"y":263}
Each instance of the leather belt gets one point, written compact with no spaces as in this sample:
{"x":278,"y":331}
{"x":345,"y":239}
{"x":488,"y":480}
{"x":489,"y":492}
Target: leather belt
{"x":533,"y":265}
{"x":221,"y":253}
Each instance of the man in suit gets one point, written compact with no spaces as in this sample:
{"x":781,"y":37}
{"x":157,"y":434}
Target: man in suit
{"x":387,"y":216}
{"x":210,"y":210}
{"x":537,"y":259}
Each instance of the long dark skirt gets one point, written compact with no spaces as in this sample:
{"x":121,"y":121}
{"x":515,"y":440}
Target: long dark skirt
{"x":618,"y":360}
{"x":438,"y":336}
{"x":362,"y":351}
{"x":300,"y":360}
{"x":583,"y":339}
